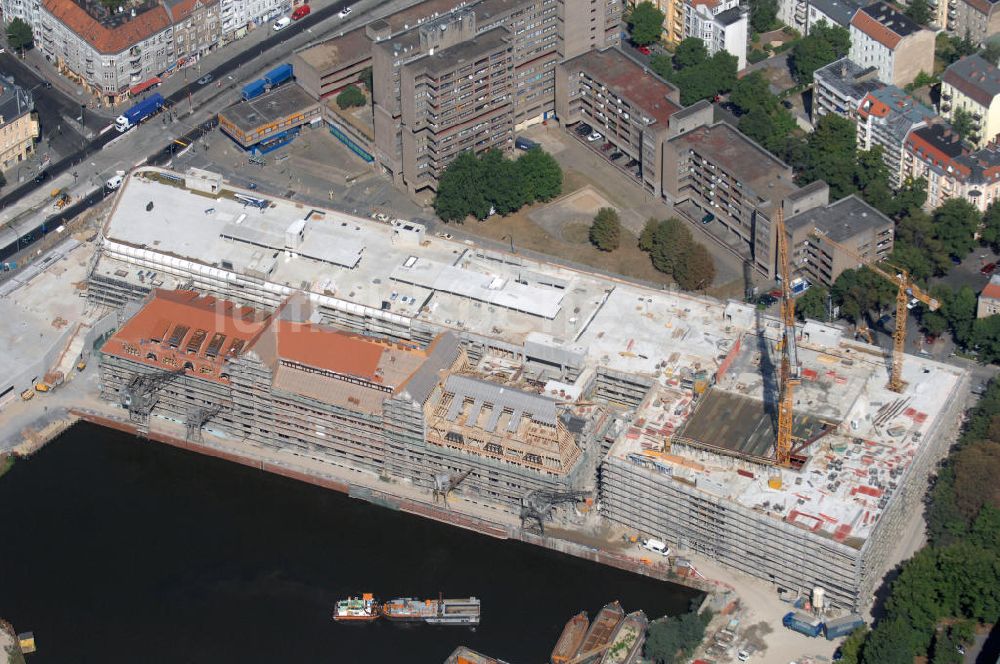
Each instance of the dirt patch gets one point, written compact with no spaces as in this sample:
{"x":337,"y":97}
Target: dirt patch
{"x":576,"y":233}
{"x":572,"y":210}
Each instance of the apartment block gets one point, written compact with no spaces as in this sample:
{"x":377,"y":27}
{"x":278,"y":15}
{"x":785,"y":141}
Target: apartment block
{"x":938,"y":154}
{"x":634,"y":110}
{"x":888,"y":40}
{"x":989,"y":299}
{"x":18,"y":123}
{"x":734,"y":187}
{"x":238,"y":17}
{"x":674,"y":12}
{"x":840,"y":86}
{"x":28,"y":11}
{"x":973,"y":84}
{"x":196,"y":25}
{"x":885,"y":118}
{"x":979,"y":19}
{"x":818,"y":239}
{"x":721,"y":25}
{"x":803,"y":14}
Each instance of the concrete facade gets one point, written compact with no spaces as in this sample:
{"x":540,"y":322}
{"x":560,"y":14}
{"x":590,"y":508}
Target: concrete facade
{"x":979,"y":19}
{"x":840,"y":86}
{"x":973,"y":84}
{"x":18,"y":124}
{"x":721,"y":25}
{"x":888,"y":40}
{"x":885,"y":118}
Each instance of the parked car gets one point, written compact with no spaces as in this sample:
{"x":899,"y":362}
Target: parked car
{"x":912,"y":303}
{"x":787,"y":103}
{"x":956,"y":260}
{"x":584,"y":129}
{"x":281,"y":23}
{"x":607,"y":147}
{"x":632,"y":164}
{"x":615,"y":156}
{"x":708,"y":218}
{"x":42,"y":177}
{"x":301,"y":12}
{"x":988,"y":268}
{"x":645,"y":50}
{"x":345,"y":12}
{"x":594,"y":136}
{"x":205,"y":80}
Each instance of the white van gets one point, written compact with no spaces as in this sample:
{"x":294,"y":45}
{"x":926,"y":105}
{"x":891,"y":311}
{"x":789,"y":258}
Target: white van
{"x":281,"y":23}
{"x":114,"y":182}
{"x":657,"y":546}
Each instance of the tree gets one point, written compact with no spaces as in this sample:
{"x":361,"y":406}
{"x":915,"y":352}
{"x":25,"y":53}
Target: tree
{"x":860,"y":291}
{"x":459,"y":194}
{"x":763,"y":15}
{"x":670,"y":240}
{"x":606,"y":231}
{"x":694,"y":269}
{"x":850,"y":649}
{"x":960,"y":310}
{"x":823,"y":45}
{"x":646,"y":240}
{"x":812,"y":304}
{"x":955,"y":224}
{"x":830,"y":155}
{"x":963,"y":123}
{"x":3,"y":180}
{"x":351,"y":96}
{"x":543,"y":176}
{"x":986,"y":335}
{"x":19,"y":35}
{"x":990,"y":235}
{"x":919,"y":11}
{"x":991,"y":51}
{"x":672,"y":639}
{"x":365,"y":78}
{"x":690,"y":53}
{"x":753,"y":93}
{"x":645,"y":23}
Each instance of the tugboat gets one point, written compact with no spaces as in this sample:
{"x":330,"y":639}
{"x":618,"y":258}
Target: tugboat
{"x":354,"y":609}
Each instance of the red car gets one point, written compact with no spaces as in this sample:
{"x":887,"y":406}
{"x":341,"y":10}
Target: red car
{"x":645,"y":50}
{"x":988,"y":269}
{"x":301,"y":12}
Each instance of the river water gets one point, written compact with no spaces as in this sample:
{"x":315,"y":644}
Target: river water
{"x":115,"y":549}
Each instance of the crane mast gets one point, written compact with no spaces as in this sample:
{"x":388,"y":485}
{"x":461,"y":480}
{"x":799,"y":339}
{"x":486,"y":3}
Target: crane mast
{"x":789,"y":372}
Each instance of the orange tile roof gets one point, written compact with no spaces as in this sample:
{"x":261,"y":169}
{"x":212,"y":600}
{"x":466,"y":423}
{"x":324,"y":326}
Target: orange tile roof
{"x":177,"y":327}
{"x":868,"y":25}
{"x":103,"y":38}
{"x":991,"y":292}
{"x":181,"y":10}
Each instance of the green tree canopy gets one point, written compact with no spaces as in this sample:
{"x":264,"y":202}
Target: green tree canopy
{"x":830,"y":154}
{"x":351,"y":96}
{"x":606,"y":230}
{"x":695,"y":269}
{"x":823,"y":45}
{"x":919,"y":11}
{"x":963,"y":123}
{"x":812,"y":304}
{"x":645,"y":23}
{"x":763,"y":15}
{"x":671,"y":640}
{"x":861,"y":291}
{"x":955,"y":224}
{"x":19,"y":34}
{"x":365,"y":78}
{"x":690,"y":53}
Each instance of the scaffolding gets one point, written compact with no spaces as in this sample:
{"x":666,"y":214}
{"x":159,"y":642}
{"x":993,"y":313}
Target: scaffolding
{"x":142,"y":393}
{"x":197,"y":418}
{"x":537,"y":505}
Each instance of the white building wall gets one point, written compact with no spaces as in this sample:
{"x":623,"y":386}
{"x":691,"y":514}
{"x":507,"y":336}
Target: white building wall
{"x":26,"y":10}
{"x":868,"y":52}
{"x":733,"y":39}
{"x":240,"y":14}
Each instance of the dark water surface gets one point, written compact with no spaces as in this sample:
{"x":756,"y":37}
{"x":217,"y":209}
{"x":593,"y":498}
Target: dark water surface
{"x":120,"y":550}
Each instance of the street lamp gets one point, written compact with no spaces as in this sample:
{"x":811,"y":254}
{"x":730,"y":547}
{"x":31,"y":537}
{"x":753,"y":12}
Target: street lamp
{"x":511,"y":238}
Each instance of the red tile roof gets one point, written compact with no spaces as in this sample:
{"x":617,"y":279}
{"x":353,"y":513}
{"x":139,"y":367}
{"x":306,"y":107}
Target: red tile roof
{"x":868,"y":25}
{"x":181,"y":10}
{"x":992,"y":291}
{"x":107,"y":39}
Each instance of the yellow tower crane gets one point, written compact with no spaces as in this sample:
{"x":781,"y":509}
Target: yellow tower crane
{"x":906,"y":290}
{"x":790,"y":375}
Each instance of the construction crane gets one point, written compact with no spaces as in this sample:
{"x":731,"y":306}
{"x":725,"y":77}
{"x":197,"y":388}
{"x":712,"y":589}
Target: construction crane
{"x":790,"y":374}
{"x":445,"y":483}
{"x":905,"y":290}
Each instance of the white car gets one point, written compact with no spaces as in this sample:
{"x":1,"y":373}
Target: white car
{"x":345,"y":12}
{"x":743,"y":655}
{"x":912,"y":303}
{"x":594,"y":137}
{"x":114,"y":182}
{"x":446,"y":236}
{"x":281,"y":23}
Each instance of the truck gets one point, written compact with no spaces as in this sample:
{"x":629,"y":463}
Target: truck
{"x":139,"y":112}
{"x":838,"y":627}
{"x":50,"y":381}
{"x":803,"y":623}
{"x":278,"y":75}
{"x":254,"y":89}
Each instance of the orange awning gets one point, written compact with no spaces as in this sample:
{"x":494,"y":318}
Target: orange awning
{"x":145,"y":85}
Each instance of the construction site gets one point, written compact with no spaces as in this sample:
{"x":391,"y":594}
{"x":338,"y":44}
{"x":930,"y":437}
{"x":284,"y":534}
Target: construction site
{"x":789,"y":451}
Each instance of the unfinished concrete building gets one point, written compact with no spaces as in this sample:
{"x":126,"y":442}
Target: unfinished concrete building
{"x":529,"y":373}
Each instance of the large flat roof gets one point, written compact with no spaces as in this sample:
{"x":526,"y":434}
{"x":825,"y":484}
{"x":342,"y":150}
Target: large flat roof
{"x":628,"y":79}
{"x":285,"y":101}
{"x":842,"y":220}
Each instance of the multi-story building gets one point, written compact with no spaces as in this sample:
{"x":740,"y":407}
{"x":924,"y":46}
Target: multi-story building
{"x":635,"y":111}
{"x":196,"y":25}
{"x":977,"y":19}
{"x":674,"y":12}
{"x":938,"y":154}
{"x":818,"y":238}
{"x":28,"y":11}
{"x":720,"y":24}
{"x":106,"y":52}
{"x":239,"y":16}
{"x":803,"y":14}
{"x":885,"y":117}
{"x":18,"y":124}
{"x":735,"y":187}
{"x":539,"y":34}
{"x":989,"y":299}
{"x":890,"y":41}
{"x":840,"y":86}
{"x":973,"y":84}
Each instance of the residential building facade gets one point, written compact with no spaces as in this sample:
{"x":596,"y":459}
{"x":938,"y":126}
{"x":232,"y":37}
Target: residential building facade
{"x":721,"y":25}
{"x":828,"y":239}
{"x":28,"y":11}
{"x":239,"y":16}
{"x":885,"y":117}
{"x":973,"y":84}
{"x":196,"y":25}
{"x":803,"y":14}
{"x":938,"y":154}
{"x":888,"y":40}
{"x":840,"y":86}
{"x":979,"y":19}
{"x":18,"y":124}
{"x":989,"y":299}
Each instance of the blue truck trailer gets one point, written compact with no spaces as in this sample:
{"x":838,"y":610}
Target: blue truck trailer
{"x":838,"y":627}
{"x":139,"y":112}
{"x":803,"y":623}
{"x":255,"y":89}
{"x":278,"y":75}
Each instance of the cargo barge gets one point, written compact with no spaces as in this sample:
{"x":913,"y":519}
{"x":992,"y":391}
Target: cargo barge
{"x":626,"y":644}
{"x":571,"y":639}
{"x":599,"y":636}
{"x":438,"y":611}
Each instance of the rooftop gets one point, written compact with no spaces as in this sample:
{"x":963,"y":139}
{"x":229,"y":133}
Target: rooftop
{"x":841,"y":221}
{"x":839,"y":11}
{"x":15,"y":101}
{"x":629,"y":80}
{"x":730,"y":16}
{"x":884,"y":24}
{"x":285,"y":101}
{"x":768,"y":177}
{"x":938,"y":145}
{"x":849,"y":78}
{"x":106,"y":32}
{"x":992,"y":290}
{"x":898,"y":110}
{"x":975,"y":77}
{"x":454,"y":57}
